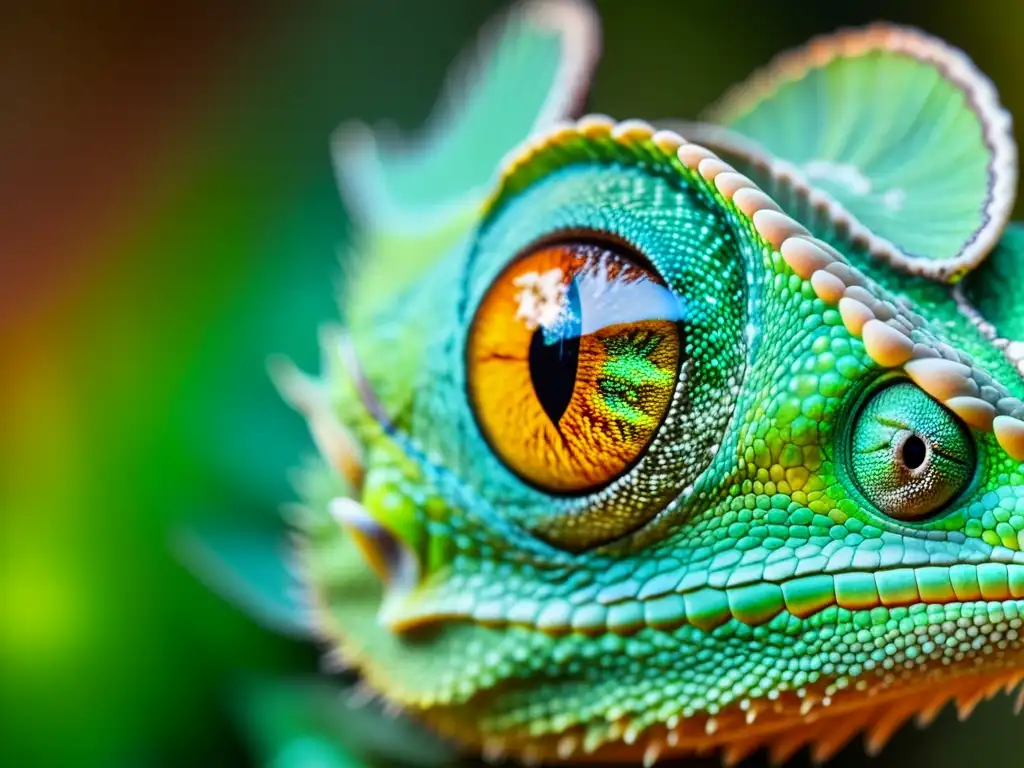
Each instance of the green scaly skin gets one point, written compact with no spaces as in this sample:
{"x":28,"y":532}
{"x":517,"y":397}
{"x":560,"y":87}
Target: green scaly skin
{"x":760,"y":577}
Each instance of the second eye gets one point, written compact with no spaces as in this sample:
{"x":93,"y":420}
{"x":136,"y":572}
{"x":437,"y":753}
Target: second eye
{"x":910,"y":456}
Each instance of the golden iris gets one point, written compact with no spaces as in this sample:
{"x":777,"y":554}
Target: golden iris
{"x":573,"y":357}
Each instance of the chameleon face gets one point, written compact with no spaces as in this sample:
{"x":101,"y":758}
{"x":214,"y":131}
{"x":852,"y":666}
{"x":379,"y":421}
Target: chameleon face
{"x":634,"y":445}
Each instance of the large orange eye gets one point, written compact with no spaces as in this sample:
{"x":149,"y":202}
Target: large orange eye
{"x":573,"y":358}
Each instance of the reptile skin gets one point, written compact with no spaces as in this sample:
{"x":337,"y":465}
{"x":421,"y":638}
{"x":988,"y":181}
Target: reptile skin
{"x":771,"y":497}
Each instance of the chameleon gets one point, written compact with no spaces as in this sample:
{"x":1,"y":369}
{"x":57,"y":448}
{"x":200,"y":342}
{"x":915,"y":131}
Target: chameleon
{"x":649,"y":439}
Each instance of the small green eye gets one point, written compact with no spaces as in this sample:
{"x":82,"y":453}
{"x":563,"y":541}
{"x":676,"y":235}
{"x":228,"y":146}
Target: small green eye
{"x":909,"y":455}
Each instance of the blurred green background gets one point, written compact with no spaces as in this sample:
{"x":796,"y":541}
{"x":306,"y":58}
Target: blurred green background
{"x":168,"y":217}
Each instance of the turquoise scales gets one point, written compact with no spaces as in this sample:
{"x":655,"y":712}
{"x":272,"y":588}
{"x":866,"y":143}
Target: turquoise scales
{"x":824,"y":535}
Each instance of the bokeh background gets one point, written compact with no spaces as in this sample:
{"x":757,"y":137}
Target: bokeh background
{"x":168,"y":217}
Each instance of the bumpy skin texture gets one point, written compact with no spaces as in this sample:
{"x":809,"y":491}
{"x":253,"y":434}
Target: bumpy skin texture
{"x":767,"y":573}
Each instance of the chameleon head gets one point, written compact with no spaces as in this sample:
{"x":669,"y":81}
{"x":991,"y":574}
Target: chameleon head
{"x":640,"y":458}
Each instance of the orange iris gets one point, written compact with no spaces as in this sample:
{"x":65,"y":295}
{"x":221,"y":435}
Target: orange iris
{"x":573,"y":357}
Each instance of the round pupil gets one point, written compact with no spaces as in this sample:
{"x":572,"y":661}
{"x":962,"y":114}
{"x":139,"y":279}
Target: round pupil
{"x":909,"y":455}
{"x":914,"y":452}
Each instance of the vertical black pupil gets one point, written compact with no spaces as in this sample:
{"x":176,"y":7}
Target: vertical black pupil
{"x":914,"y":452}
{"x":554,"y":356}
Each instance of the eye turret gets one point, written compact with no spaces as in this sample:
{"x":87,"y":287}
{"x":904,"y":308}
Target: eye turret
{"x":573,"y":357}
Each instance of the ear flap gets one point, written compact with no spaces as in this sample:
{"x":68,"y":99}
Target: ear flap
{"x":892,"y":135}
{"x":987,"y":331}
{"x":996,"y":290}
{"x":530,"y":69}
